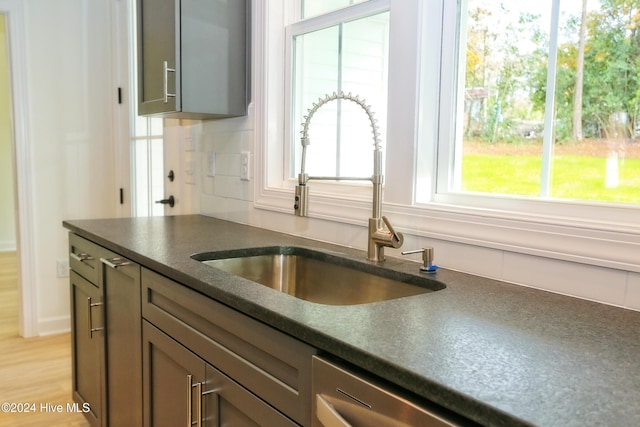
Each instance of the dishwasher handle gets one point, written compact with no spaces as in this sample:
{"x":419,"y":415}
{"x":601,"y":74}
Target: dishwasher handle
{"x":328,"y":415}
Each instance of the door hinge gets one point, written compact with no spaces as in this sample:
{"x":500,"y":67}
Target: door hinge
{"x":122,"y":196}
{"x":119,"y":95}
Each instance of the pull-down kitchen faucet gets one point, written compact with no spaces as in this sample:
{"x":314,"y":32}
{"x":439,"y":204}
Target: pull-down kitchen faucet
{"x":381,"y":233}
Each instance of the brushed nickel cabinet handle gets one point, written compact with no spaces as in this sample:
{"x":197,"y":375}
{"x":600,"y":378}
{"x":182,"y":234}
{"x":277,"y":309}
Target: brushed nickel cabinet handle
{"x":189,"y":401}
{"x":199,"y":407}
{"x":115,"y":262}
{"x":81,"y":257}
{"x":190,"y":386}
{"x":90,"y":305}
{"x":166,"y":70}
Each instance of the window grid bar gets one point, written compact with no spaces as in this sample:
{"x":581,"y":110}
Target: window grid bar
{"x":549,"y":108}
{"x":339,"y":106}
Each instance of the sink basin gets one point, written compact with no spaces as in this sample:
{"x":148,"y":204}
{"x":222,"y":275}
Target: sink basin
{"x":317,"y":276}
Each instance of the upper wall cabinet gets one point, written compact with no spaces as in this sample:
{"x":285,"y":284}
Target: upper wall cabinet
{"x":193,"y":58}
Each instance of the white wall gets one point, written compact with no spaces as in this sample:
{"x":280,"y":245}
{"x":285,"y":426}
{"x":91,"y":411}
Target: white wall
{"x":7,"y":206}
{"x":68,"y":55}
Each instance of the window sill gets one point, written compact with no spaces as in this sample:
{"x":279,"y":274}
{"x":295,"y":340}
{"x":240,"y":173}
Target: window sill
{"x":597,"y":243}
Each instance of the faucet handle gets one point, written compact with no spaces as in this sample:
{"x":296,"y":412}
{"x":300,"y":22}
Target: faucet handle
{"x":388,"y":224}
{"x":427,"y":259}
{"x":397,"y":238}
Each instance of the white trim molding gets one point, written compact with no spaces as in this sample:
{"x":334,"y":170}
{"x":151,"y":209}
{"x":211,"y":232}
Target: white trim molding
{"x":14,"y":11}
{"x":8,"y":246}
{"x":583,"y":242}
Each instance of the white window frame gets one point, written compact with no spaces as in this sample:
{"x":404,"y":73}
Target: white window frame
{"x":329,"y":19}
{"x":588,"y":232}
{"x":346,"y":202}
{"x":421,"y":113}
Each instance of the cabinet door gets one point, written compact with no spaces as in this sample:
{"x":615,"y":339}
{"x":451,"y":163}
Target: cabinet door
{"x":158,"y":53}
{"x":171,"y":376}
{"x":120,"y":279}
{"x":181,"y":389}
{"x":229,"y":404}
{"x":88,"y":364}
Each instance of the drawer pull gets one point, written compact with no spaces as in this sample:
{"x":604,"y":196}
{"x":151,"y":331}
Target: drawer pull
{"x":115,"y":262}
{"x":190,"y":386}
{"x":166,"y":70}
{"x":81,"y":257}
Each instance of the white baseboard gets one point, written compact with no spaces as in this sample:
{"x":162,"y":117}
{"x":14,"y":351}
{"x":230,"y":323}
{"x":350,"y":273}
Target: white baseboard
{"x":54,"y":325}
{"x":8,"y":246}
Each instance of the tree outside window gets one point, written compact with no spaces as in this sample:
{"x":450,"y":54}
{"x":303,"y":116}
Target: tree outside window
{"x":552,"y":100}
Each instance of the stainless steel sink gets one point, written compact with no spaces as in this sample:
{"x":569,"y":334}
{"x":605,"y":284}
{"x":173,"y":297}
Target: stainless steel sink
{"x":317,"y":276}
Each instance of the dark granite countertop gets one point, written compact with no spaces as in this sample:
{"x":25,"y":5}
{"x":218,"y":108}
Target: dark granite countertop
{"x":496,"y":353}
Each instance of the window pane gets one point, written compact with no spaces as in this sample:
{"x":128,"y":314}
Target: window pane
{"x":140,"y":124}
{"x":591,"y":129}
{"x":140,"y":178}
{"x":502,"y":129}
{"x":156,"y":124}
{"x":148,"y":177}
{"x":596,"y":155}
{"x":349,"y":57}
{"x":318,"y":7}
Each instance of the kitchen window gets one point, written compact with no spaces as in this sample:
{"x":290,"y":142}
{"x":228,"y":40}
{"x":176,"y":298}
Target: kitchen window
{"x":435,"y":113}
{"x":338,"y":49}
{"x":515,"y":133}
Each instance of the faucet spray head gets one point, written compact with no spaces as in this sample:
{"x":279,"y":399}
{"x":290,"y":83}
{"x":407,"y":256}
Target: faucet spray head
{"x":301,"y":205}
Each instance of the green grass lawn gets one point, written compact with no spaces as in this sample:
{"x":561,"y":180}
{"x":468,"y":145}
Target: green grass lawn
{"x":573,"y":177}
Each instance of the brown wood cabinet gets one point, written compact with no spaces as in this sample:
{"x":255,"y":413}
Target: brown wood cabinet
{"x":121,"y":283}
{"x":87,"y":329}
{"x":106,"y":334}
{"x":88,"y":348}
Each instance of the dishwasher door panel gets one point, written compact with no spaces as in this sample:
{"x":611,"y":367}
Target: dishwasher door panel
{"x":342,"y":399}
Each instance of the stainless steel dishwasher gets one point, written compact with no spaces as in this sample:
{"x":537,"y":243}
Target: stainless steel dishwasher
{"x":342,"y":399}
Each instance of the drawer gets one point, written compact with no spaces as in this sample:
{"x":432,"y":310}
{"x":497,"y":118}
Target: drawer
{"x":84,"y":257}
{"x":272,"y":365}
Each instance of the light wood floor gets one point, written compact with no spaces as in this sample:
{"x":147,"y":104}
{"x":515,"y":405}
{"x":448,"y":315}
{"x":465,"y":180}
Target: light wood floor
{"x":33,"y":371}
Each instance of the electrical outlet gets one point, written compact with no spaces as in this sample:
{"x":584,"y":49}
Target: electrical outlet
{"x":245,"y":165}
{"x":63,"y":268}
